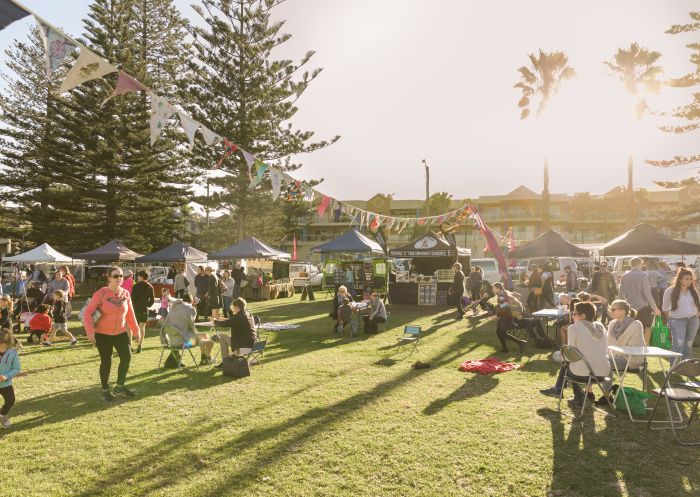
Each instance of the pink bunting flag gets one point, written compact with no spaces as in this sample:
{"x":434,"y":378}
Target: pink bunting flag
{"x":323,"y":206}
{"x":125,"y":84}
{"x":229,"y":148}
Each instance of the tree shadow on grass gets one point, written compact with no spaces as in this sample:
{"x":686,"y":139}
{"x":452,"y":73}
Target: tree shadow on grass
{"x":266,"y":445}
{"x":619,"y":460}
{"x":477,"y":385}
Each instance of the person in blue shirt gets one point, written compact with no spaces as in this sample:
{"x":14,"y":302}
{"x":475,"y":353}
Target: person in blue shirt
{"x":9,"y":368}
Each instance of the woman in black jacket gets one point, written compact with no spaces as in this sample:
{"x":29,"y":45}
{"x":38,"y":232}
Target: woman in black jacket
{"x":142,"y":299}
{"x":243,"y":333}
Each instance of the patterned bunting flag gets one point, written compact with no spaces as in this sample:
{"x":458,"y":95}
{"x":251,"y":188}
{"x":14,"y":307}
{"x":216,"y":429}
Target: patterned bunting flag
{"x":337,"y":213}
{"x":250,"y":160}
{"x":125,"y":84}
{"x":389,"y":223}
{"x":210,"y":138}
{"x":308,"y":193}
{"x":10,"y":12}
{"x":56,"y":45}
{"x":190,"y":126}
{"x":276,"y":179}
{"x":229,"y":148}
{"x":161,"y":111}
{"x":325,"y":202}
{"x":89,"y":66}
{"x":260,"y":168}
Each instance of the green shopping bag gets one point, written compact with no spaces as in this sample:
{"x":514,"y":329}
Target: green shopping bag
{"x":660,"y":334}
{"x":635,"y":398}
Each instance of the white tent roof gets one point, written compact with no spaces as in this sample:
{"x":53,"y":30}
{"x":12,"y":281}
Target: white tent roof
{"x":42,"y":253}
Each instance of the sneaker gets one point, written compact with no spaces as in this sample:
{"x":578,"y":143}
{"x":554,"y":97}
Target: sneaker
{"x":46,"y":343}
{"x":575,"y":402}
{"x":551,"y":392}
{"x":122,"y":391}
{"x":138,"y":349}
{"x":522,"y":345}
{"x":556,"y":357}
{"x":74,"y":341}
{"x":603,"y":401}
{"x":205,"y":361}
{"x":107,"y":395}
{"x":5,"y":421}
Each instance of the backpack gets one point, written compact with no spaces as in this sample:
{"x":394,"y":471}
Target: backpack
{"x":236,"y":366}
{"x":95,"y":316}
{"x":515,"y":307}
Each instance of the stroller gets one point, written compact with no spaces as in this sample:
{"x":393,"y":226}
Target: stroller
{"x":483,"y":303}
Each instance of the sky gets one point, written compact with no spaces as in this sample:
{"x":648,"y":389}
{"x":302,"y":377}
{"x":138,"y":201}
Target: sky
{"x":407,"y":80}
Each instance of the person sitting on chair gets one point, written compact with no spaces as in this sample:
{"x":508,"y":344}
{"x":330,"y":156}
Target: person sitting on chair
{"x":344,"y":316}
{"x":625,"y":330}
{"x":590,"y":338}
{"x":243,"y":334}
{"x":377,"y":313}
{"x":178,"y":328}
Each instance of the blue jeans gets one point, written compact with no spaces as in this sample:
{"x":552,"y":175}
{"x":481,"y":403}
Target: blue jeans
{"x":683,"y":333}
{"x":227,"y":305}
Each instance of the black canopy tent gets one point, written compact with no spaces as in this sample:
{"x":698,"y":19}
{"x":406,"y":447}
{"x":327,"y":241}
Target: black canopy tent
{"x":249,"y":248}
{"x":643,"y":239}
{"x":177,"y":252}
{"x":114,"y":250}
{"x":431,"y":252}
{"x":350,"y":242}
{"x":548,"y":244}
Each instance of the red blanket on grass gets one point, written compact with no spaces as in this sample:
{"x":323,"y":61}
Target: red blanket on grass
{"x":487,"y":366}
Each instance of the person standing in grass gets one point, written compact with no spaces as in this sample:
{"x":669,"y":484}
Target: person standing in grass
{"x":142,"y":298}
{"x":681,"y":304}
{"x":180,"y":284}
{"x":227,"y":292}
{"x":59,"y":318}
{"x":9,"y":368}
{"x":457,"y":289}
{"x":6,"y":312}
{"x":71,"y":291}
{"x":112,"y":331}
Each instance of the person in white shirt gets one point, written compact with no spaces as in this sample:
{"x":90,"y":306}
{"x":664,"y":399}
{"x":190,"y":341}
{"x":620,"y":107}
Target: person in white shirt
{"x":681,"y":305}
{"x":625,"y":330}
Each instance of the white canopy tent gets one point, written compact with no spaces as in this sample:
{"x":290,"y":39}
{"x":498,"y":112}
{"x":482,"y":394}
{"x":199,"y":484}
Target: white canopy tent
{"x":43,"y":253}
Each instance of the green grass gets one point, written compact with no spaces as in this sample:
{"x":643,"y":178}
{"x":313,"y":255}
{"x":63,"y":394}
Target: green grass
{"x":327,"y":416}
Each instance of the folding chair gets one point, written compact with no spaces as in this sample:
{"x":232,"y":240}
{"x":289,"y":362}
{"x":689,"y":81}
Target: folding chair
{"x":257,"y":322}
{"x":176,"y":349}
{"x":570,"y":355}
{"x":691,"y":368}
{"x":411,"y":335}
{"x":256,"y":352}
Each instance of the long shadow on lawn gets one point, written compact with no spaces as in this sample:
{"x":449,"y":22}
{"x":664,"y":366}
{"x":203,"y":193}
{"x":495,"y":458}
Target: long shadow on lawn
{"x":475,"y":386}
{"x":604,"y":463}
{"x":164,"y":459}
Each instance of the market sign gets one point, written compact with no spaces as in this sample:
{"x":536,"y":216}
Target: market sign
{"x":427,"y":242}
{"x":421,"y":253}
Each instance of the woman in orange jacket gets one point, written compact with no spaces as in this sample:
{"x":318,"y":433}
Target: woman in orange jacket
{"x":112,"y":330}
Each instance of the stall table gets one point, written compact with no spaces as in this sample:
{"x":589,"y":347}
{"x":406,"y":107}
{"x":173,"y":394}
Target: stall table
{"x":407,"y":293}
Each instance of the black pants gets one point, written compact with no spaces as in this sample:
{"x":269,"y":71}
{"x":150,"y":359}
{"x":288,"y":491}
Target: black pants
{"x":502,"y":326}
{"x":476,"y":292}
{"x":105,"y":345}
{"x":534,"y":302}
{"x":8,"y":395}
{"x":371,"y":324}
{"x":460,"y":304}
{"x":578,"y":391}
{"x":179,"y":293}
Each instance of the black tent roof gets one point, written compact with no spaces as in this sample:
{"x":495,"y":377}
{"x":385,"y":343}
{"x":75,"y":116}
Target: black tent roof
{"x":249,"y":248}
{"x":351,"y":242}
{"x":548,"y":244}
{"x":110,"y":251}
{"x":429,"y":245}
{"x":643,"y":239}
{"x":177,"y":252}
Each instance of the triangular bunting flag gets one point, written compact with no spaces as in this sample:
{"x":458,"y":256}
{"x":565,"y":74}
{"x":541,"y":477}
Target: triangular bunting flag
{"x":250,"y":160}
{"x":276,"y":179}
{"x":229,"y":148}
{"x":210,"y":138}
{"x":125,"y":84}
{"x":260,"y":168}
{"x":57,"y":47}
{"x":10,"y":12}
{"x":325,"y":202}
{"x":337,"y":213}
{"x":89,"y":66}
{"x":190,"y":126}
{"x":161,"y":111}
{"x":308,"y":192}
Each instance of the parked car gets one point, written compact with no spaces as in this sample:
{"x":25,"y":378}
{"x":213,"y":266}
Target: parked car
{"x":305,"y":273}
{"x":556,"y":265}
{"x":490,"y":269}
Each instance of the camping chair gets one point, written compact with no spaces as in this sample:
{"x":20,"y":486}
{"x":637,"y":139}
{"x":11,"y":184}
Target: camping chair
{"x":411,"y":335}
{"x":178,"y":350}
{"x":256,"y":352}
{"x":570,"y":355}
{"x":256,"y":321}
{"x":689,"y":367}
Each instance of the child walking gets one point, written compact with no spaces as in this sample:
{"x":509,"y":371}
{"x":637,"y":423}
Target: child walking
{"x":9,"y":368}
{"x":164,"y":302}
{"x":59,"y":317}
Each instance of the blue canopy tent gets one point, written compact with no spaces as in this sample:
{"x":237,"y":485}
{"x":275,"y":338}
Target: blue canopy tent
{"x":249,"y":248}
{"x":352,"y":242}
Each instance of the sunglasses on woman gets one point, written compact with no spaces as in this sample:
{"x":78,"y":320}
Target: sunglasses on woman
{"x":115,"y":276}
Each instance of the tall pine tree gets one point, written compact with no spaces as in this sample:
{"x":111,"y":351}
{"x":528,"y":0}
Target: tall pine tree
{"x":240,"y":92}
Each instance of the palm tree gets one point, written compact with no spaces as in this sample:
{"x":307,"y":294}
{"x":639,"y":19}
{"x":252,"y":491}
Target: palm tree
{"x":542,"y":79}
{"x":635,"y":68}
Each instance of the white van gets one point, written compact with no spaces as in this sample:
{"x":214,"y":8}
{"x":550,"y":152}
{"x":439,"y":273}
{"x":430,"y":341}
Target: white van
{"x":305,"y":273}
{"x":622,"y":263}
{"x":490,"y":269}
{"x":556,"y":265}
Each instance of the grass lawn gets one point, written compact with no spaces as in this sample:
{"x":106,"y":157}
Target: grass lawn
{"x":327,"y":416}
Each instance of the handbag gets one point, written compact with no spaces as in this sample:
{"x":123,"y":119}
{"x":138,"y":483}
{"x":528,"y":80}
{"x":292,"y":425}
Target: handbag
{"x":236,"y":366}
{"x":95,"y":315}
{"x":660,"y":334}
{"x":636,"y":400}
{"x":537,"y":291}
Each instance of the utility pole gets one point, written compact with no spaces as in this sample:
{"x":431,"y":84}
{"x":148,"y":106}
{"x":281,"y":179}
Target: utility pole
{"x":206,"y":208}
{"x":427,"y":189}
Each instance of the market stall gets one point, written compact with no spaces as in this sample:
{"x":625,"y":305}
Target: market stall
{"x":364,"y":257}
{"x":262,"y":262}
{"x":429,"y":275}
{"x":177,"y":255}
{"x":44,"y":257}
{"x":643,"y":239}
{"x":113,"y":251}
